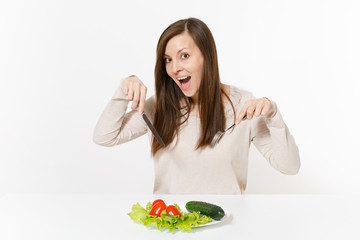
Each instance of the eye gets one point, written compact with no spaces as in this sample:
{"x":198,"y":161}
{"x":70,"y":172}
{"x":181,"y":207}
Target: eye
{"x":167,"y":60}
{"x":185,"y":55}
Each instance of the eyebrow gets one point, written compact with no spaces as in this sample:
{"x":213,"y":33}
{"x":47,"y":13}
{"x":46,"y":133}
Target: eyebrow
{"x":176,"y":53}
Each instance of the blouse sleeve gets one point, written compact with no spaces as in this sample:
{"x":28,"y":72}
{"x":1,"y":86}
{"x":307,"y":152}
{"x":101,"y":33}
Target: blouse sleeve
{"x":272,"y":138}
{"x":115,"y":126}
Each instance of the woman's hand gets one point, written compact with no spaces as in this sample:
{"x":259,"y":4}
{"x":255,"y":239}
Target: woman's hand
{"x":136,"y":92}
{"x":254,"y":107}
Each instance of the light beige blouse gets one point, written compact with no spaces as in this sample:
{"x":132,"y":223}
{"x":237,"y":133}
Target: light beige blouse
{"x":180,"y":169}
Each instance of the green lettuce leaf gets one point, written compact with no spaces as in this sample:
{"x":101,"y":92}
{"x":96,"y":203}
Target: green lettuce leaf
{"x":183,"y":223}
{"x":138,"y":213}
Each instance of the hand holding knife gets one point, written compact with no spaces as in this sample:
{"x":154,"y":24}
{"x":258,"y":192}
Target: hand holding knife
{"x":135,"y":90}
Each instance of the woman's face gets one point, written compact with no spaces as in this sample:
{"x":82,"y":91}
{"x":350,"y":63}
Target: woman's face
{"x":184,"y":64}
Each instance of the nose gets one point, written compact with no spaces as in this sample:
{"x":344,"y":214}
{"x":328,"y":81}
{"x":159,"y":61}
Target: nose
{"x":176,"y":67}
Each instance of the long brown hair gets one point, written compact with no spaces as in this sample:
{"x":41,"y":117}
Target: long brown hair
{"x":169,"y":96}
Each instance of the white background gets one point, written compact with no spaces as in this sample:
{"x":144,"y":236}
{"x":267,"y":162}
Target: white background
{"x":61,"y":61}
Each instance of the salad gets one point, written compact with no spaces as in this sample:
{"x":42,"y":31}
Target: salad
{"x":159,"y":215}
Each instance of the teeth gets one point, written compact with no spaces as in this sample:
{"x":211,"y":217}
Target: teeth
{"x":180,"y":79}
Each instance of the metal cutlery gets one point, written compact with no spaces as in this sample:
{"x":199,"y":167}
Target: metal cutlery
{"x":153,"y":130}
{"x":221,"y":133}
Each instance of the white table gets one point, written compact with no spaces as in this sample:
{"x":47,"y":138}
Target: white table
{"x":85,"y":216}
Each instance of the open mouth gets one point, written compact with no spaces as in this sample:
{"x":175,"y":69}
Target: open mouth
{"x":185,"y":82}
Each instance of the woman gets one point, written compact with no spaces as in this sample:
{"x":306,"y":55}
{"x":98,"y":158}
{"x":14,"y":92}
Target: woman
{"x":190,"y":105}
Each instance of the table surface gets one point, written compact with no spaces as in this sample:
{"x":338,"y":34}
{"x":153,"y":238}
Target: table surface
{"x":86,"y":216}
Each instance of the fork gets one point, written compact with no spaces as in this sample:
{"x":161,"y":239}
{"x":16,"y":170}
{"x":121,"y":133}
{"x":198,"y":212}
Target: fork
{"x":218,"y":135}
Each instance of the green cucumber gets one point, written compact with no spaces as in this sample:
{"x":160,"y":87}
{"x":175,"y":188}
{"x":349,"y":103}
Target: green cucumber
{"x":208,"y":209}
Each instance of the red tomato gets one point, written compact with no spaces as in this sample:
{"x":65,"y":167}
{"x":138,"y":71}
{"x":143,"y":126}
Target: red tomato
{"x":172,"y":210}
{"x":157,"y":208}
{"x":156,"y":201}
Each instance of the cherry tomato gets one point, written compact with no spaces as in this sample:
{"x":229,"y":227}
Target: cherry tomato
{"x":157,"y":208}
{"x":156,"y":201}
{"x":172,"y":210}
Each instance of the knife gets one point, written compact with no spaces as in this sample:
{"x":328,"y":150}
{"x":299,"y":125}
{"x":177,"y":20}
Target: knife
{"x":153,"y":130}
